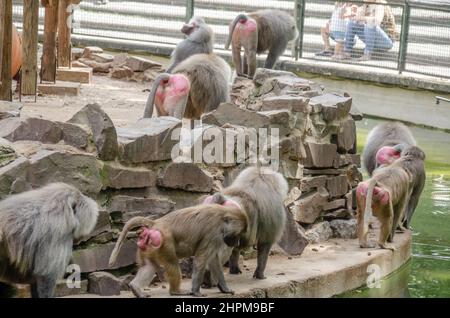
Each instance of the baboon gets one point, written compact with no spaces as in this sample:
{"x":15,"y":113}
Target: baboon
{"x":258,"y":32}
{"x":37,"y":231}
{"x":200,"y":39}
{"x":385,"y":196}
{"x":200,"y":231}
{"x":387,"y":143}
{"x":199,"y":84}
{"x":386,"y":134}
{"x":260,"y":193}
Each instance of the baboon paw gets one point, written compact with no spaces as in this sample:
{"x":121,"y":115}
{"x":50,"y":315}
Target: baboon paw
{"x":235,"y":270}
{"x":259,"y":275}
{"x":387,"y":247}
{"x":207,"y":286}
{"x":180,"y":293}
{"x":229,"y":291}
{"x":198,"y":294}
{"x":139,"y":293}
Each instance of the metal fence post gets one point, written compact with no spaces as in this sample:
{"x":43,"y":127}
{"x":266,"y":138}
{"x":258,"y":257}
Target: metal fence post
{"x":189,"y":9}
{"x":300,"y":21}
{"x":404,"y":37}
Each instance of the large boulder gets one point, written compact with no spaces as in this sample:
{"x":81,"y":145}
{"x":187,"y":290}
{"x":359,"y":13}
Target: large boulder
{"x":319,"y":155}
{"x":9,"y":109}
{"x":102,"y":127}
{"x":116,"y":176}
{"x":331,"y":106}
{"x":149,"y":139}
{"x":345,"y":229}
{"x":104,"y":284}
{"x":123,"y":207}
{"x":186,"y":176}
{"x":308,"y":209}
{"x":320,"y":232}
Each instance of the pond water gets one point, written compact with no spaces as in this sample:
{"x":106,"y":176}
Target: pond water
{"x":427,"y":274}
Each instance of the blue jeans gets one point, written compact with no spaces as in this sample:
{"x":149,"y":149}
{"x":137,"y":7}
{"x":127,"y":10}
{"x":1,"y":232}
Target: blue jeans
{"x":373,"y":37}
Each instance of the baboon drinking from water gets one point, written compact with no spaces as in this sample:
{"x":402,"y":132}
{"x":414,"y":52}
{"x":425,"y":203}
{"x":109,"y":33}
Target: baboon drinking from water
{"x":200,"y":39}
{"x":200,"y":231}
{"x":260,"y":193}
{"x":37,"y":231}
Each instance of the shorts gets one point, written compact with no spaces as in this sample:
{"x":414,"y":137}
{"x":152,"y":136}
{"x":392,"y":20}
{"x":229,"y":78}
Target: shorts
{"x":338,"y":36}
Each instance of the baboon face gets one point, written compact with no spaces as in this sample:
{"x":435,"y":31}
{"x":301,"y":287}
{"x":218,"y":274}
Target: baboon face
{"x":193,"y":25}
{"x":85,"y":211}
{"x":414,"y":152}
{"x":233,"y":228}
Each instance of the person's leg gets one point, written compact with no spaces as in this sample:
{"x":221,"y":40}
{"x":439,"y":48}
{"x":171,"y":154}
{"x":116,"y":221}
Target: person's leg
{"x":325,"y":32}
{"x":376,"y":38}
{"x":353,"y":29}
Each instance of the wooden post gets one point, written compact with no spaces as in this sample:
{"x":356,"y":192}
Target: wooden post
{"x":64,"y":31}
{"x":6,"y":30}
{"x":30,"y":46}
{"x":48,"y":65}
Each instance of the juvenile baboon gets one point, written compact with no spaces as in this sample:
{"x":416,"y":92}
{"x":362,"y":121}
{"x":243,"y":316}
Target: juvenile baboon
{"x":386,"y":134}
{"x":258,"y":32}
{"x":385,"y":196}
{"x":37,"y":231}
{"x":200,"y":231}
{"x":260,"y":193}
{"x":386,"y":143}
{"x":198,"y":84}
{"x":200,"y":39}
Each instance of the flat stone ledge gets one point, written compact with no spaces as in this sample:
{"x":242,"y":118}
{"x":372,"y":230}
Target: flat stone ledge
{"x":323,"y":270}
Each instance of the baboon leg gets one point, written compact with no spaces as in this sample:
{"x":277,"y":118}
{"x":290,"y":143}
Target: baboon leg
{"x":234,"y":262}
{"x":198,"y":273}
{"x":251,"y":62}
{"x":217,"y":271}
{"x":43,"y":287}
{"x":362,"y":232}
{"x":208,"y":280}
{"x":245,"y":64}
{"x":399,"y":212}
{"x":142,"y":280}
{"x":386,"y":217}
{"x":263,"y":255}
{"x":236,"y":51}
{"x":274,"y":52}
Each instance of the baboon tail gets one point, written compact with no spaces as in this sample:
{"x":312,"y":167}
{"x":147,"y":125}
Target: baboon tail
{"x":368,"y":209}
{"x":132,"y":223}
{"x":240,"y":17}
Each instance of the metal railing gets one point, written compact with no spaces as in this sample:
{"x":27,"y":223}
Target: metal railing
{"x":422,"y":45}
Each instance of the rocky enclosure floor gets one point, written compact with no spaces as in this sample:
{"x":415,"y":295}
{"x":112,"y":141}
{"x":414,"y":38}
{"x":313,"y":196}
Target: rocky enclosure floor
{"x":323,"y":270}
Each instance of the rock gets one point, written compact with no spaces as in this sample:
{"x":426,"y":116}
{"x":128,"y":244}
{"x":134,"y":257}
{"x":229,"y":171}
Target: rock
{"x":102,"y":127}
{"x":103,"y":225}
{"x":150,"y":139}
{"x":89,"y":50}
{"x":96,"y":66}
{"x":287,"y":102}
{"x":7,"y":153}
{"x":155,"y":206}
{"x":78,"y":169}
{"x":346,"y":136}
{"x":263,"y":74}
{"x":345,"y":229}
{"x":140,"y":64}
{"x":308,"y":209}
{"x":312,"y":183}
{"x":63,"y":290}
{"x":36,"y":129}
{"x":117,"y":176}
{"x":121,"y":72}
{"x":354,"y":176}
{"x":12,"y":174}
{"x":318,"y":172}
{"x":337,"y":186}
{"x":120,"y":59}
{"x":228,"y":113}
{"x":150,"y":75}
{"x":331,"y":106}
{"x":96,"y":258}
{"x":338,"y":214}
{"x":293,"y":195}
{"x":77,"y":53}
{"x":186,"y":176}
{"x":102,"y":57}
{"x":294,"y":239}
{"x":333,"y":205}
{"x":355,"y":113}
{"x":74,"y":135}
{"x":104,"y":284}
{"x":320,"y":232}
{"x":125,"y":281}
{"x":286,"y":85}
{"x":319,"y":155}
{"x":9,"y":109}
{"x":79,"y":64}
{"x":291,"y":169}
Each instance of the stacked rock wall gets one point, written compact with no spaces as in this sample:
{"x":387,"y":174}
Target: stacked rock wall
{"x":143,"y":169}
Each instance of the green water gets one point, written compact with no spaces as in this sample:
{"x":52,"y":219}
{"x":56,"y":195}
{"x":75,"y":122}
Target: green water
{"x":427,"y":274}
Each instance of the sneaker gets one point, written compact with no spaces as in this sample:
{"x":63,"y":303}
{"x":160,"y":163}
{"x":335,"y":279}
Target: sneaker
{"x":324,"y":53}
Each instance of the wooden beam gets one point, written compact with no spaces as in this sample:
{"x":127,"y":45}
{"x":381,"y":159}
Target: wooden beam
{"x":48,"y":65}
{"x":64,"y":31}
{"x":30,"y":46}
{"x":6,"y":30}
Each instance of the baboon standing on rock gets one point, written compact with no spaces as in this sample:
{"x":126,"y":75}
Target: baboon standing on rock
{"x":260,"y":193}
{"x":200,"y":39}
{"x":37,"y":231}
{"x":200,"y":231}
{"x":258,"y":32}
{"x":198,"y":85}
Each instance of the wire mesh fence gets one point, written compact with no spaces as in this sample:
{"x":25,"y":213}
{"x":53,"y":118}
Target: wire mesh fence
{"x":411,"y":36}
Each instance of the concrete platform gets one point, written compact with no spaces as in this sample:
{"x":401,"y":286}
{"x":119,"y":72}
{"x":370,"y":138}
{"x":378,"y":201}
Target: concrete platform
{"x":74,"y":74}
{"x":324,"y":270}
{"x":60,"y":88}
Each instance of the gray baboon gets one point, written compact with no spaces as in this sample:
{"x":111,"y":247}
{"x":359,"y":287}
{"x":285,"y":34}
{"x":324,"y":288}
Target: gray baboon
{"x":200,"y":231}
{"x":260,"y":193}
{"x":198,"y":84}
{"x":385,"y":144}
{"x":37,"y":231}
{"x":258,"y":32}
{"x":200,"y":39}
